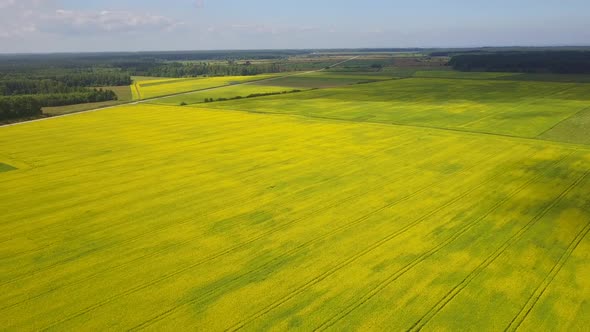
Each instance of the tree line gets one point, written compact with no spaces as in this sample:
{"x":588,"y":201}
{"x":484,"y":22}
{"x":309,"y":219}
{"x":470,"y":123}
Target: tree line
{"x":60,"y":84}
{"x":252,"y":95}
{"x":90,"y":79}
{"x":23,"y":86}
{"x":180,"y":69}
{"x":557,"y":62}
{"x":81,"y":97}
{"x":25,"y":92}
{"x":17,"y":106}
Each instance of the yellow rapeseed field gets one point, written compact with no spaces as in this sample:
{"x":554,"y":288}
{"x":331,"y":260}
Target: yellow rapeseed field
{"x":166,"y":86}
{"x":167,"y":218}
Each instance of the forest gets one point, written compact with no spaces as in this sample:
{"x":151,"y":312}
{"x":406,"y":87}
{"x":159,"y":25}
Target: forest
{"x":17,"y":106}
{"x":557,"y":62}
{"x":180,"y":69}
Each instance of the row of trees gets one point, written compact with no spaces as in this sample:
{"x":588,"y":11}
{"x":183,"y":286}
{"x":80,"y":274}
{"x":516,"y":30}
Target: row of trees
{"x":252,"y":95}
{"x":60,"y":83}
{"x":559,"y":62}
{"x":178,"y":69}
{"x":93,"y":78}
{"x":88,"y":96}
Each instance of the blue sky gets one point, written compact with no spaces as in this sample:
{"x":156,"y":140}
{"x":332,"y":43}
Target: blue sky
{"x":134,"y":25}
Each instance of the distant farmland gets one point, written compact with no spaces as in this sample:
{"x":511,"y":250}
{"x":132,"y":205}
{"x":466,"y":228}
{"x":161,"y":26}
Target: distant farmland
{"x":440,"y":202}
{"x":514,"y":108}
{"x":145,"y":89}
{"x":229,"y":92}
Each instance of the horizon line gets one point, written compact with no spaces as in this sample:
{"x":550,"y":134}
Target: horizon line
{"x":400,"y":49}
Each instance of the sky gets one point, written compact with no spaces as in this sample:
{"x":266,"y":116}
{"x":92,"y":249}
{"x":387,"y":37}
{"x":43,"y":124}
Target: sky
{"x":41,"y":26}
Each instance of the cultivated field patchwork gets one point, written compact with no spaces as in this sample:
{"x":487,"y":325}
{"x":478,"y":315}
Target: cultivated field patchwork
{"x":512,"y":108}
{"x":326,"y":79}
{"x":163,"y":217}
{"x":152,"y":88}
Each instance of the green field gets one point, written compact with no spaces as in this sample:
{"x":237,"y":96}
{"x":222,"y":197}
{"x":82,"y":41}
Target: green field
{"x":360,"y":76}
{"x":123,"y":92}
{"x":574,"y":129}
{"x":325,"y":79}
{"x":460,"y":75}
{"x":573,"y":78}
{"x":409,"y":204}
{"x":61,"y":110}
{"x":451,"y":74}
{"x":242,"y":90}
{"x":526,"y":109}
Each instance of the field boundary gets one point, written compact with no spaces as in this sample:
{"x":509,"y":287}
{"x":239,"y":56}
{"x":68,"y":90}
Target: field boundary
{"x":260,"y":95}
{"x":574,"y":146}
{"x":560,"y":122}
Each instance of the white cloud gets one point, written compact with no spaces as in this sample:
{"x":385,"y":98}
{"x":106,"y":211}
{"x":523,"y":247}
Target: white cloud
{"x":104,"y":21}
{"x":12,"y":6}
{"x":269,"y":29}
{"x":257,"y":28}
{"x":17,"y":30}
{"x":6,"y":3}
{"x":16,"y":17}
{"x":22,"y":18}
